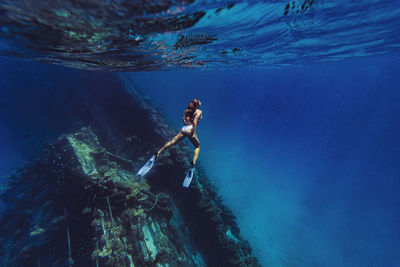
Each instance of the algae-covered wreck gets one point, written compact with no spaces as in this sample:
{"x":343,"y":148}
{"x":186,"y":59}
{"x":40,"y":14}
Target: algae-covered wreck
{"x":80,"y":204}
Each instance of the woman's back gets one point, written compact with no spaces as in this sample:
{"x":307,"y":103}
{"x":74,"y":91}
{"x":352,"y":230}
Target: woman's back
{"x":190,"y":117}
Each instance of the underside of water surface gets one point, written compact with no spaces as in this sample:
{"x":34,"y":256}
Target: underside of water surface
{"x":151,"y":35}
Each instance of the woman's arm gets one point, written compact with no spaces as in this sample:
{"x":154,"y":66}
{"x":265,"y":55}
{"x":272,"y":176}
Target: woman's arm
{"x":196,"y":121}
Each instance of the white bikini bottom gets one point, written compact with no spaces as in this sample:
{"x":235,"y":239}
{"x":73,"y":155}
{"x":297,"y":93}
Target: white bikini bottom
{"x":187,"y":129}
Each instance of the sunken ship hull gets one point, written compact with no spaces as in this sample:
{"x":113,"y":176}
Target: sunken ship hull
{"x":80,"y":202}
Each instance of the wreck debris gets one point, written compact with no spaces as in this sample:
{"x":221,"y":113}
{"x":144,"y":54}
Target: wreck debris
{"x":70,"y":261}
{"x":125,"y":225}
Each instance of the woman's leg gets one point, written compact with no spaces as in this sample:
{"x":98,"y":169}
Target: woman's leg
{"x":195,"y":141}
{"x":179,"y":137}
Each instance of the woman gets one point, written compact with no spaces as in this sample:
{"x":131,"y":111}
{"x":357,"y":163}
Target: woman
{"x":191,"y":118}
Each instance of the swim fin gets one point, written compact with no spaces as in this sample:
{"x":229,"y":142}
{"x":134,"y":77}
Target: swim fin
{"x":189,"y":177}
{"x":147,"y":167}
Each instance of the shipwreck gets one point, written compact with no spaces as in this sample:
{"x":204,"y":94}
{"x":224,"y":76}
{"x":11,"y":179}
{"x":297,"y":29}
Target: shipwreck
{"x":80,"y":203}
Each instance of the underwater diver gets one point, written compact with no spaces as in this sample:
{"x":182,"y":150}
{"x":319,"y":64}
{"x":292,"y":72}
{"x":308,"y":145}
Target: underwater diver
{"x":191,"y":118}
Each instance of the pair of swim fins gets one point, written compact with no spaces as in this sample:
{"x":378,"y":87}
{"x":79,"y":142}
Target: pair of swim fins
{"x":150,"y":163}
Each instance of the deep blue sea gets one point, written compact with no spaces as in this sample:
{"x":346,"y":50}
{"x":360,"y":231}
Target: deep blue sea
{"x":300,"y":130}
{"x":306,"y":156}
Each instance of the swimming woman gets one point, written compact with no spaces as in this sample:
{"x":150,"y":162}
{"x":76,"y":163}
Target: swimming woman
{"x":191,"y":118}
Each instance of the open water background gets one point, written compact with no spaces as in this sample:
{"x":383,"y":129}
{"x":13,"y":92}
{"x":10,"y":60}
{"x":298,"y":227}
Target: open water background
{"x":305,"y":155}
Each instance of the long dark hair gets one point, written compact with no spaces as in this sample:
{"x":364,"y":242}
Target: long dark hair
{"x":191,"y":108}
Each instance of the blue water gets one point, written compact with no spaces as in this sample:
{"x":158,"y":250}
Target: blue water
{"x":300,"y":128}
{"x":306,"y":156}
{"x":10,"y":156}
